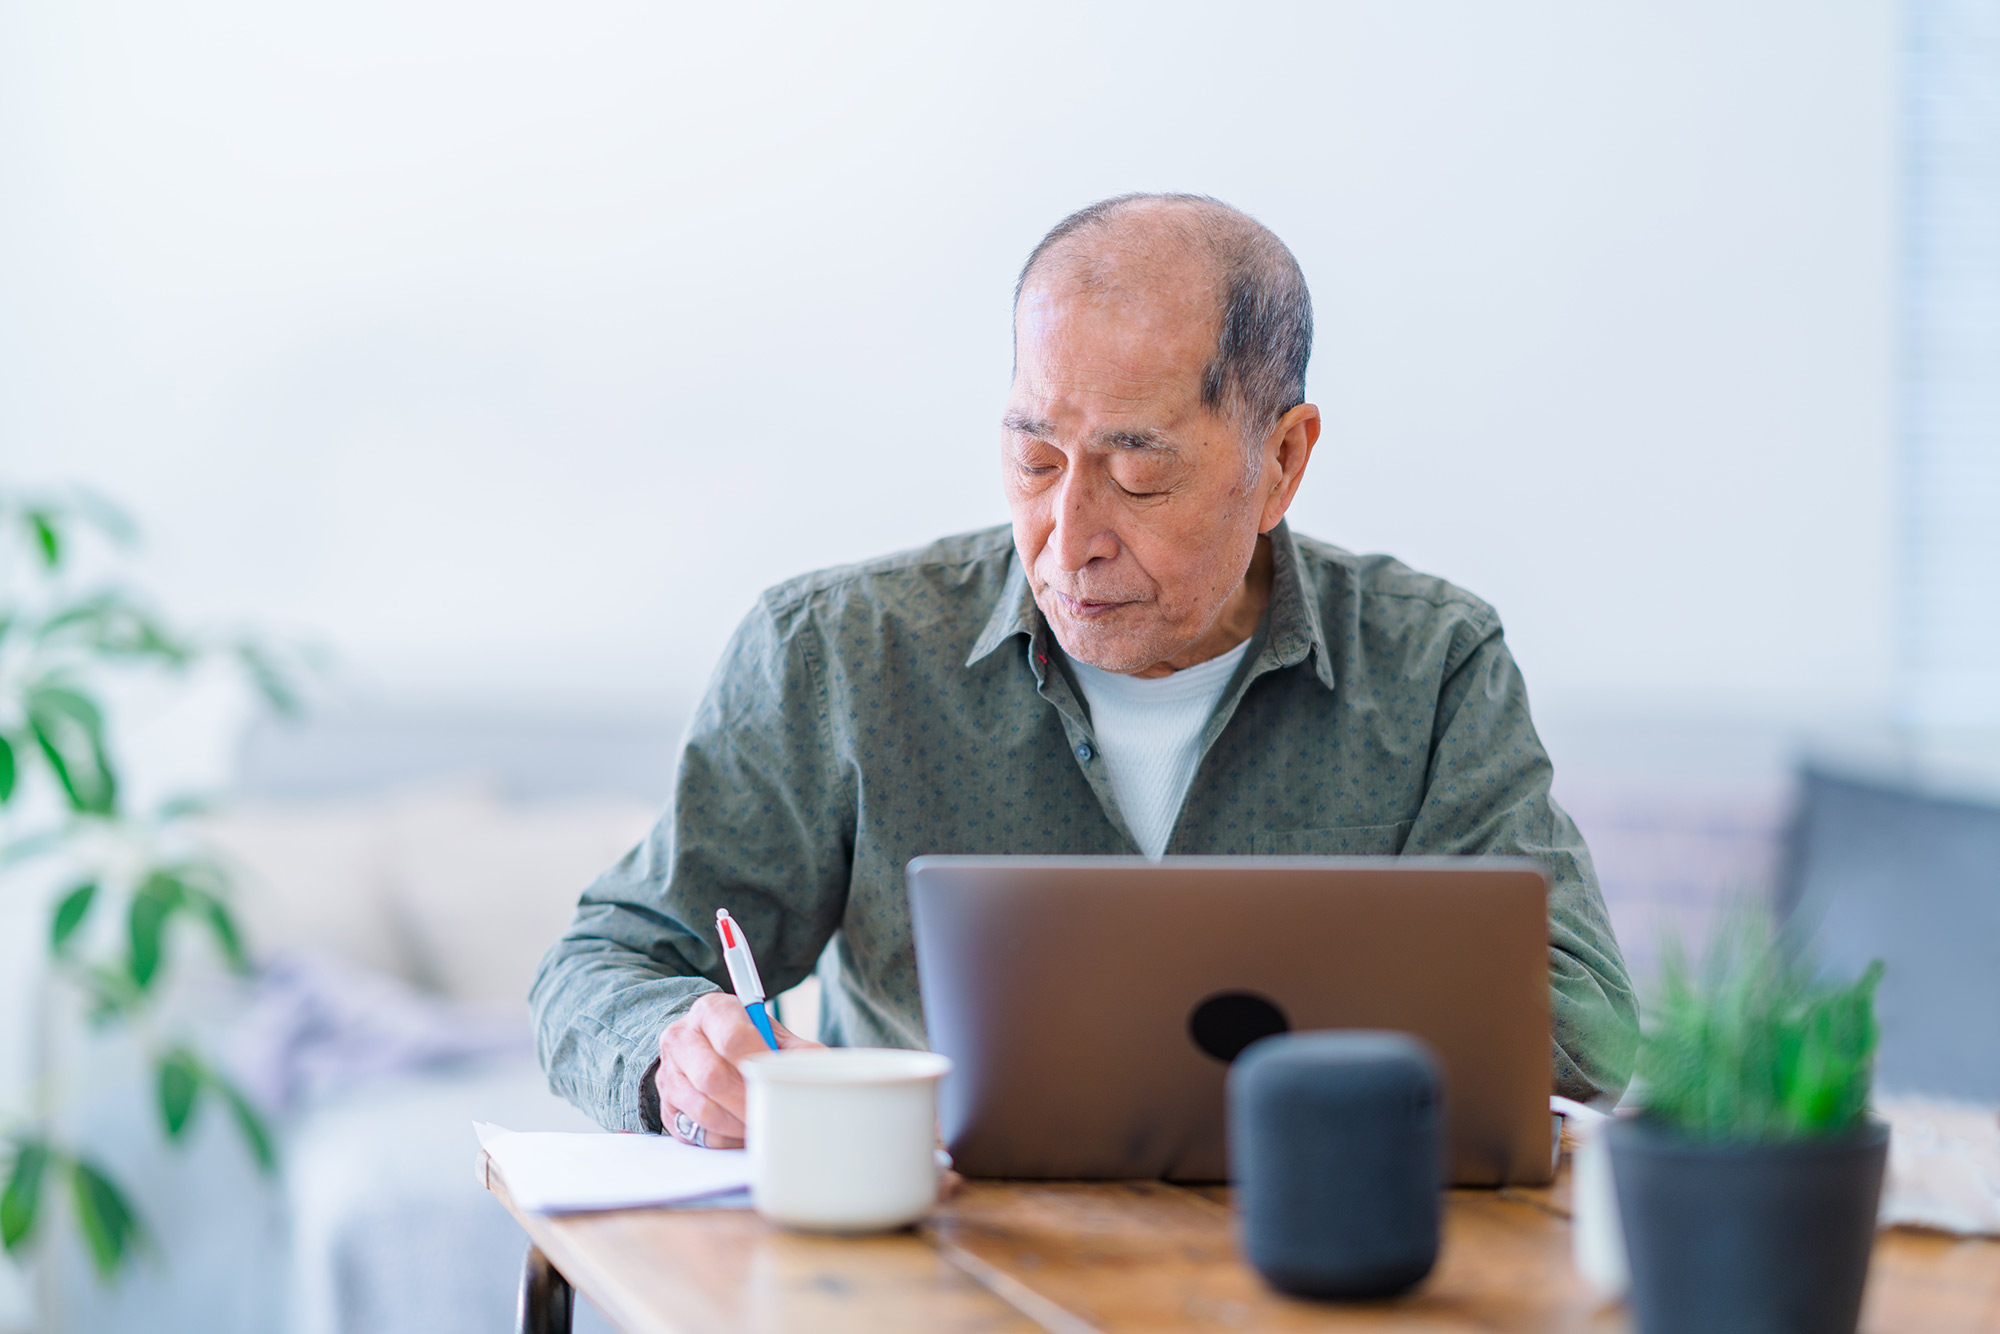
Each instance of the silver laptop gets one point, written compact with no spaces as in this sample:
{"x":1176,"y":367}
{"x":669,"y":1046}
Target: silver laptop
{"x":1091,"y":1005}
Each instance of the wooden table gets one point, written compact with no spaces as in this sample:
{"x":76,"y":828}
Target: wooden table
{"x":1078,"y":1257}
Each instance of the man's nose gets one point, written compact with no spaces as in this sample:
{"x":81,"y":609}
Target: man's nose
{"x":1083,"y":532}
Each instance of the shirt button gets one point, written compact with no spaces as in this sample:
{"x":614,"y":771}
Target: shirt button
{"x":1084,"y":752}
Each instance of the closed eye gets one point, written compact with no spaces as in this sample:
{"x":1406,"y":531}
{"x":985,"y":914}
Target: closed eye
{"x":1150,"y":483}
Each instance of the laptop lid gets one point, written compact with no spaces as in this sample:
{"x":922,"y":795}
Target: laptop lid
{"x":1091,"y":1005}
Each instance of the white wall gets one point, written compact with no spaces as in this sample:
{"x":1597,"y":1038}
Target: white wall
{"x":511,"y":349}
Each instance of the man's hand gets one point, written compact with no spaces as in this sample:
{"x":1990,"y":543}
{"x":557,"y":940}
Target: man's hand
{"x":698,"y":1077}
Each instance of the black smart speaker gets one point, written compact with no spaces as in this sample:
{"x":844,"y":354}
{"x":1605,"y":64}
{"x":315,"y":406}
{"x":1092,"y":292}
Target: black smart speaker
{"x":1336,"y":1147}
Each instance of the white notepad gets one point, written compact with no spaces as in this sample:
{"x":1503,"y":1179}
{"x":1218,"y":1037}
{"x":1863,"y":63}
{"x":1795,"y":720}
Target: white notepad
{"x":552,"y":1173}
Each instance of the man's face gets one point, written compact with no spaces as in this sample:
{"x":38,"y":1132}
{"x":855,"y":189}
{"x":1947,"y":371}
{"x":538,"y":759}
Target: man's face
{"x":1135,"y":511}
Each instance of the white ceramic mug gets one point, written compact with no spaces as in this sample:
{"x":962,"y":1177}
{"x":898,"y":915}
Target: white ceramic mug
{"x":1597,"y":1236}
{"x":843,"y":1139}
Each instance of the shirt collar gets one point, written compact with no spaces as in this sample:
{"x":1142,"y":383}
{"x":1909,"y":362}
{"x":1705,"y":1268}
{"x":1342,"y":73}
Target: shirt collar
{"x":1293,"y":617}
{"x":1014,"y":613}
{"x":1292,"y":622}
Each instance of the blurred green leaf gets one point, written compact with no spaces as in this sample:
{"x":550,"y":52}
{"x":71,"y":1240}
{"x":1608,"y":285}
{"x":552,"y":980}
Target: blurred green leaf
{"x":112,"y":992}
{"x":69,"y":728}
{"x":180,"y":1085}
{"x":23,"y":1196}
{"x":42,"y":527}
{"x":159,"y":896}
{"x":47,"y":522}
{"x":115,"y":624}
{"x":31,"y":845}
{"x":201,"y":887}
{"x":106,"y":1219}
{"x":271,"y":680}
{"x":200,"y":875}
{"x":182,"y":807}
{"x":110,"y":520}
{"x":222,"y":925}
{"x":70,"y":912}
{"x":6,"y":770}
{"x":249,"y":1121}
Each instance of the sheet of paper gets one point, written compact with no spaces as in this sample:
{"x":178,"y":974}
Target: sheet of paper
{"x":552,"y":1173}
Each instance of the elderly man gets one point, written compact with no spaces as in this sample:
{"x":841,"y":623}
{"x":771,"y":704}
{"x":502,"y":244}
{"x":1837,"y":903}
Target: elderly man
{"x":1147,"y":660}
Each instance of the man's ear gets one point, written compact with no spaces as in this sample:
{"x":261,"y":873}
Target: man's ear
{"x":1287,"y":450}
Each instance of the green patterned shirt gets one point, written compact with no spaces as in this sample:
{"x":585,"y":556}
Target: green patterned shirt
{"x":919,"y":704}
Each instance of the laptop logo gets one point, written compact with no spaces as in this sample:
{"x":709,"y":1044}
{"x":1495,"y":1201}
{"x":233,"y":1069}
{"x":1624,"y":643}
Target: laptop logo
{"x":1227,"y":1022}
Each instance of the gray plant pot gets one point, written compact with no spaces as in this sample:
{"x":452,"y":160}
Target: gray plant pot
{"x":1758,"y":1238}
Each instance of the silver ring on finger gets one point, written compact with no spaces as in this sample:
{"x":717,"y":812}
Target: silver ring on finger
{"x":690,"y":1130}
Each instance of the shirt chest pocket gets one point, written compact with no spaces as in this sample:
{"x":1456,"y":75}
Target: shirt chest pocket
{"x":1354,"y":840}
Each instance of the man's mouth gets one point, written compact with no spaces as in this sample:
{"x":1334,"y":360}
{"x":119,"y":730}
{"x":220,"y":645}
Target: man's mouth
{"x":1086,"y":609}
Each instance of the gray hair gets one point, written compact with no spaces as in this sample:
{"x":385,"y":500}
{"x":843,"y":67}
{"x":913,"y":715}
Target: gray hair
{"x":1258,"y":372}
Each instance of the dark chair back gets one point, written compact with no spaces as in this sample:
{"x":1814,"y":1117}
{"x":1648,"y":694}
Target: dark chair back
{"x":1879,"y":870}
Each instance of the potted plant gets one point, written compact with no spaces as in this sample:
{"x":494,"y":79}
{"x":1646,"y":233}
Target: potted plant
{"x":1748,"y":1187}
{"x":128,"y":883}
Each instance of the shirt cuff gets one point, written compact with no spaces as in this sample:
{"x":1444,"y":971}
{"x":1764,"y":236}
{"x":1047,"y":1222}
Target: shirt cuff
{"x":649,"y":1100}
{"x":635,"y":1102}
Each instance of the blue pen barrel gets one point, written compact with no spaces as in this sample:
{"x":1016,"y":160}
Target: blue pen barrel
{"x":760,"y":1017}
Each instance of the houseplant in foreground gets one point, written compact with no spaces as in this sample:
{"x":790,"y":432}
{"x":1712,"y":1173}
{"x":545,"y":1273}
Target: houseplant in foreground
{"x":1748,"y":1188}
{"x":132,"y":888}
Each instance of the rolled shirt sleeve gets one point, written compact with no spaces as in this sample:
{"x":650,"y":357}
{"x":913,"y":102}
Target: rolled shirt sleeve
{"x":1487,"y":792}
{"x":759,"y":823}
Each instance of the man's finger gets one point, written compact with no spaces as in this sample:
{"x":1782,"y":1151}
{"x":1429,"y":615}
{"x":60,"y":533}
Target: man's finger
{"x":726,"y":1025}
{"x":787,"y":1039}
{"x":669,"y":1114}
{"x":685,"y":1097}
{"x":698,"y":1066}
{"x":697,"y":1081}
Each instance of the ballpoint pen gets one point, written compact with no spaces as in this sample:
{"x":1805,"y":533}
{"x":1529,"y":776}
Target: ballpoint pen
{"x":743,"y":977}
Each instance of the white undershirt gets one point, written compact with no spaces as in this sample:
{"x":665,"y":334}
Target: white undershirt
{"x":1149,"y":737}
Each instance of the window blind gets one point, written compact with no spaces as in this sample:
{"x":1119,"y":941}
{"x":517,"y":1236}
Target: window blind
{"x":1949,"y":581}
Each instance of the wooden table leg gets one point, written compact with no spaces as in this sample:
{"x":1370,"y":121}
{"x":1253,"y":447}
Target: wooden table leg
{"x":547,"y":1300}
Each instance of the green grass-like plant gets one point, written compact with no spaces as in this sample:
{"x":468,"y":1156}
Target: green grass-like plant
{"x":1753,"y":1045}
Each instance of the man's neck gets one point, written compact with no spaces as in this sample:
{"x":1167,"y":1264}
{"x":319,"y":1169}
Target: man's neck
{"x":1237,"y":622}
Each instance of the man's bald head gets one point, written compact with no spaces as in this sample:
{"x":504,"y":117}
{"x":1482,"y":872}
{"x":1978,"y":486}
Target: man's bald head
{"x":1149,"y":244}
